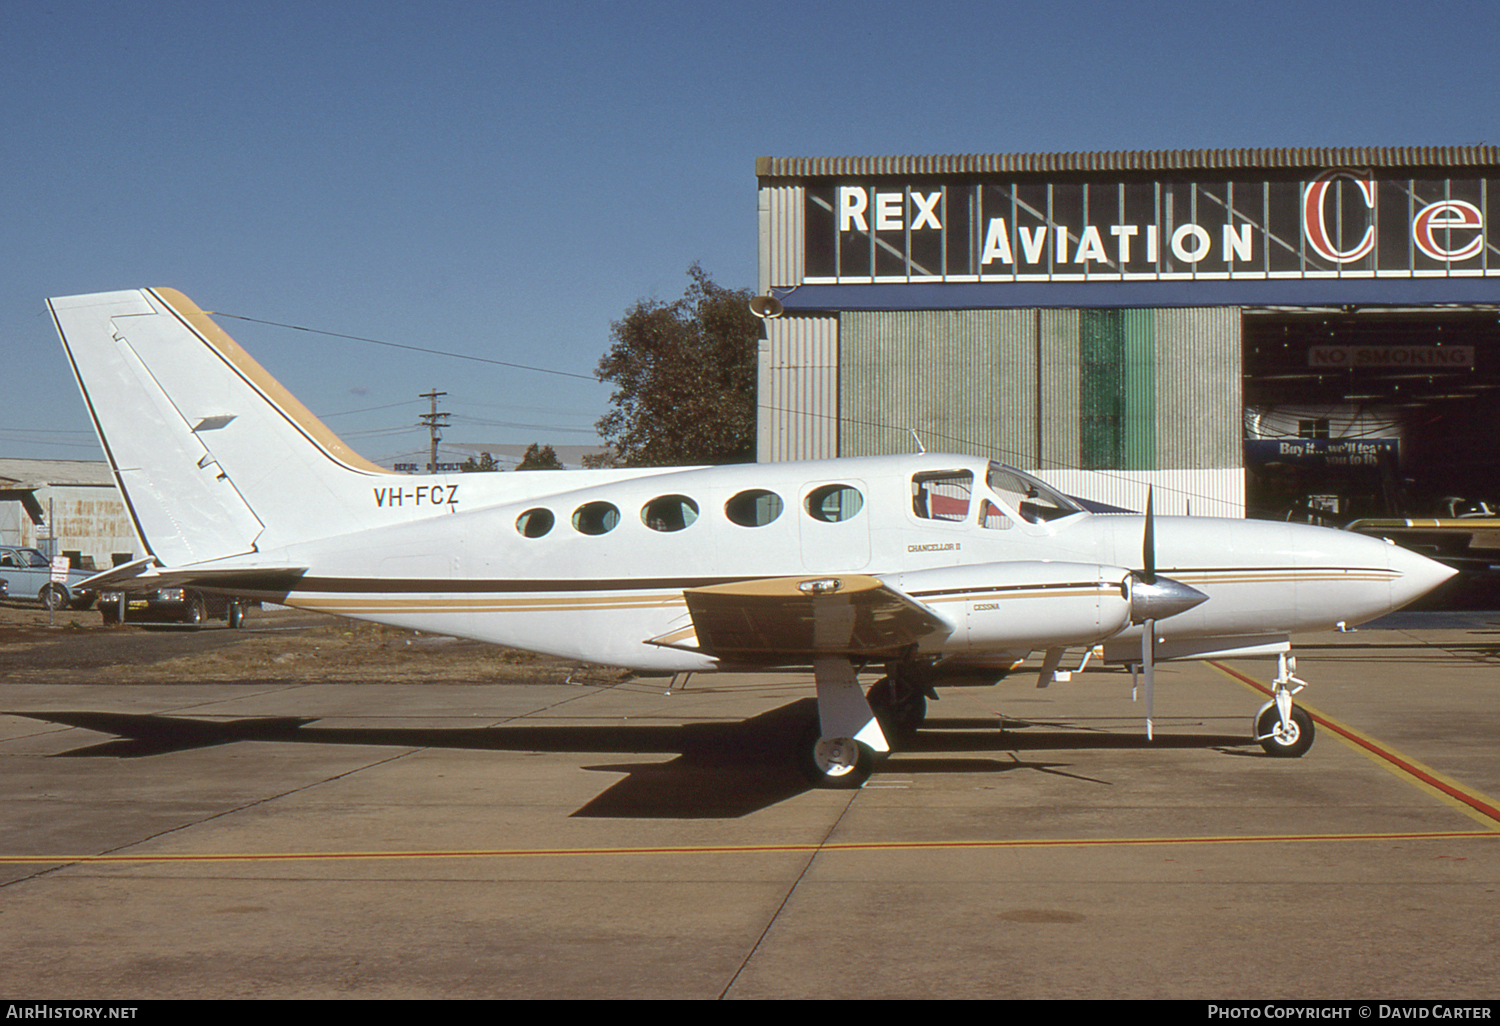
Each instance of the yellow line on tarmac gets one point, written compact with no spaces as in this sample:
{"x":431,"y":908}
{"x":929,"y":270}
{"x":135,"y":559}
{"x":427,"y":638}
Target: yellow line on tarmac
{"x":747,"y":849}
{"x":1477,"y":805}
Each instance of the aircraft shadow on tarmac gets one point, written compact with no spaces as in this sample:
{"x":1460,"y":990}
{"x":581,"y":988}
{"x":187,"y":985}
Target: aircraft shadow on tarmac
{"x":721,"y":770}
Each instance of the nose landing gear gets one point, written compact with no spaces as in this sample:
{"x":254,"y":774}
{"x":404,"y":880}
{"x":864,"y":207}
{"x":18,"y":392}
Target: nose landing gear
{"x":1282,"y":729}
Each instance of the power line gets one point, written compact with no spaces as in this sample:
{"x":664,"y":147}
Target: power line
{"x":398,"y":345}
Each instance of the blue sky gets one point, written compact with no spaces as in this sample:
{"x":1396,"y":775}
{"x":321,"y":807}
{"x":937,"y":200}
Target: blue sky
{"x":505,"y":179}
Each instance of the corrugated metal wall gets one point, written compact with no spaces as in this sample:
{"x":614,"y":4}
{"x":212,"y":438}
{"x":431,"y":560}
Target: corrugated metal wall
{"x":1062,"y":428}
{"x":1319,"y":157}
{"x":1143,"y":392}
{"x":798,"y":394}
{"x":963,"y":380}
{"x":1200,"y":402}
{"x":780,"y":213}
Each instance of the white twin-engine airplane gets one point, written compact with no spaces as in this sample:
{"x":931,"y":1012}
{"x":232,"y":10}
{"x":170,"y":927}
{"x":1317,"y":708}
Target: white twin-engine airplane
{"x":933,"y":565}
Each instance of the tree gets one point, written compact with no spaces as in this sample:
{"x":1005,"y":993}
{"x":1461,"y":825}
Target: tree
{"x":485,"y":462}
{"x":684,"y":376}
{"x":539,"y":459}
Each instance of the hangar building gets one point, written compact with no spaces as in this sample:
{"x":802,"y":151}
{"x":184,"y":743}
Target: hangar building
{"x":1295,"y":333}
{"x":65,"y":507}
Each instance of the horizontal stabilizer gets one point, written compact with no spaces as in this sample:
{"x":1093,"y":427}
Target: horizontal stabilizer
{"x":787,"y":619}
{"x":117,"y":576}
{"x":249,"y":582}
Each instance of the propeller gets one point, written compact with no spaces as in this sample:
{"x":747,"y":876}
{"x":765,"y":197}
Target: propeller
{"x":1148,"y":543}
{"x":1148,"y":626}
{"x":1154,"y":598}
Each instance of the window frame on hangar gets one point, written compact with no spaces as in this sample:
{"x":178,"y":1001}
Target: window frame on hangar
{"x":1086,"y":315}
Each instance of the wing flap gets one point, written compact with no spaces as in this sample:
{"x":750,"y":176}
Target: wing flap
{"x":791,"y":619}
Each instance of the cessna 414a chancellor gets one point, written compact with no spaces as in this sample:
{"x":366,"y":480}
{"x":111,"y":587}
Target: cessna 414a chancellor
{"x":932,"y":565}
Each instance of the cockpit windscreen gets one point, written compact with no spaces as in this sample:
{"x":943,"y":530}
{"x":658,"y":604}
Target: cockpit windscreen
{"x":1035,"y":500}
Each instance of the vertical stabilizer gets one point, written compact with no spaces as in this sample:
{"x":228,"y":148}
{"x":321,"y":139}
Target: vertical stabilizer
{"x":213,"y":456}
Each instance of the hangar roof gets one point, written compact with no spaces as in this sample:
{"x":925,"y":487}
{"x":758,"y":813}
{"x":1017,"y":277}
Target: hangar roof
{"x":40,"y":473}
{"x":1132,"y":160}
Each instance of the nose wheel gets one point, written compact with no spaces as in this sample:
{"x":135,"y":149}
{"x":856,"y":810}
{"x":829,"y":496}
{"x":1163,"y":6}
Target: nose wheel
{"x":1285,"y":740}
{"x":1281,"y":728}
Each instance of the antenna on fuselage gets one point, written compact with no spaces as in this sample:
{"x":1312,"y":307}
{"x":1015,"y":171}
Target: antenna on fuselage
{"x":920,"y":447}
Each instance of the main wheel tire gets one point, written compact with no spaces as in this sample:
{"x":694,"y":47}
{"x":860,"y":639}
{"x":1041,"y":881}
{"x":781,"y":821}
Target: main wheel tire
{"x":235,"y":614}
{"x":1283,"y":742}
{"x":835,"y":762}
{"x":194,"y":614}
{"x":53,"y":596}
{"x":900,"y":714}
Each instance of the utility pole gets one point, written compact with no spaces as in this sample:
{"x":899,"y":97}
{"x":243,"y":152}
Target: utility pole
{"x":434,"y":421}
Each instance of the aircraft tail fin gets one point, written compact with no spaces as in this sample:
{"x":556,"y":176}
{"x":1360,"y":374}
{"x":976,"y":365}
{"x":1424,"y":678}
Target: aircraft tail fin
{"x":214,"y":457}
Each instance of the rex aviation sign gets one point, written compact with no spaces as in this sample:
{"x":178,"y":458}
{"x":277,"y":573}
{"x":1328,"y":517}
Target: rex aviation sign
{"x":1342,"y":224}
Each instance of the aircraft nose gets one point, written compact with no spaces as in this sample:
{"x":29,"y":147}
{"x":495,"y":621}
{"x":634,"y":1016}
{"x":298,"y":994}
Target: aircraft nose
{"x":1419,"y":575}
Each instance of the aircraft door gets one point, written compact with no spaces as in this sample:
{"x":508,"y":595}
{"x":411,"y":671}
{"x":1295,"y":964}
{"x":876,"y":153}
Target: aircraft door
{"x":834,"y":526}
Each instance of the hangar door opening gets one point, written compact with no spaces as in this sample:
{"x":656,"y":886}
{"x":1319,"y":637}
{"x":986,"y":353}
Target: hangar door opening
{"x":1371,"y":413}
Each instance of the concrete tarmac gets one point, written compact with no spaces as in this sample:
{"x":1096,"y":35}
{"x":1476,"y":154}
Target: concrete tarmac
{"x":563,"y":840}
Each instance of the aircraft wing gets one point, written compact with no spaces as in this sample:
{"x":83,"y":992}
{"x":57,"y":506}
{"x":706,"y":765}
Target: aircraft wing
{"x":790,"y":619}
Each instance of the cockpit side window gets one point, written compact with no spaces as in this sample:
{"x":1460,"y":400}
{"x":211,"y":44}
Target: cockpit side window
{"x":942,"y":495}
{"x":1034,"y":500}
{"x":994,"y":518}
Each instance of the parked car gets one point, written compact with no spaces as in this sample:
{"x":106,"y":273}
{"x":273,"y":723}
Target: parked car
{"x":27,"y":572}
{"x":174,"y":605}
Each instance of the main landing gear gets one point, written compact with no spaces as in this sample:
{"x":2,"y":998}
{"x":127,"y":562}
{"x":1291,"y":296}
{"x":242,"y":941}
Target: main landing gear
{"x":840,"y":749}
{"x":1282,"y":729}
{"x":834,"y":762}
{"x":899,"y":701}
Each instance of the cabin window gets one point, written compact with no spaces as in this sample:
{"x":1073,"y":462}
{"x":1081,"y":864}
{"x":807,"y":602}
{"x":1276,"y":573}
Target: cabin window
{"x":835,"y":502}
{"x":943,"y":495}
{"x":754,"y":508}
{"x":535,"y":522}
{"x":669,"y":513}
{"x":595,"y":518}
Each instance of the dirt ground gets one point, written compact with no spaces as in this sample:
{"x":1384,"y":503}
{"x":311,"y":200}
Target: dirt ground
{"x":275,"y":644}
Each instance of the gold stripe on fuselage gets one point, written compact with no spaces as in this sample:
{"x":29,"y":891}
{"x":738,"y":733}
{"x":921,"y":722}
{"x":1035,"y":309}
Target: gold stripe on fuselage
{"x":540,"y":602}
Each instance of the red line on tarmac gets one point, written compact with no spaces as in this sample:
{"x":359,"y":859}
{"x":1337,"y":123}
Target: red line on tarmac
{"x":1451,"y":790}
{"x":754,"y":849}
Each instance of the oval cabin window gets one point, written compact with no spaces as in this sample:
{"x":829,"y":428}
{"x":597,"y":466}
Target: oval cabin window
{"x":535,"y":522}
{"x":595,"y":518}
{"x":754,"y":508}
{"x":833,"y":503}
{"x":669,"y":513}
